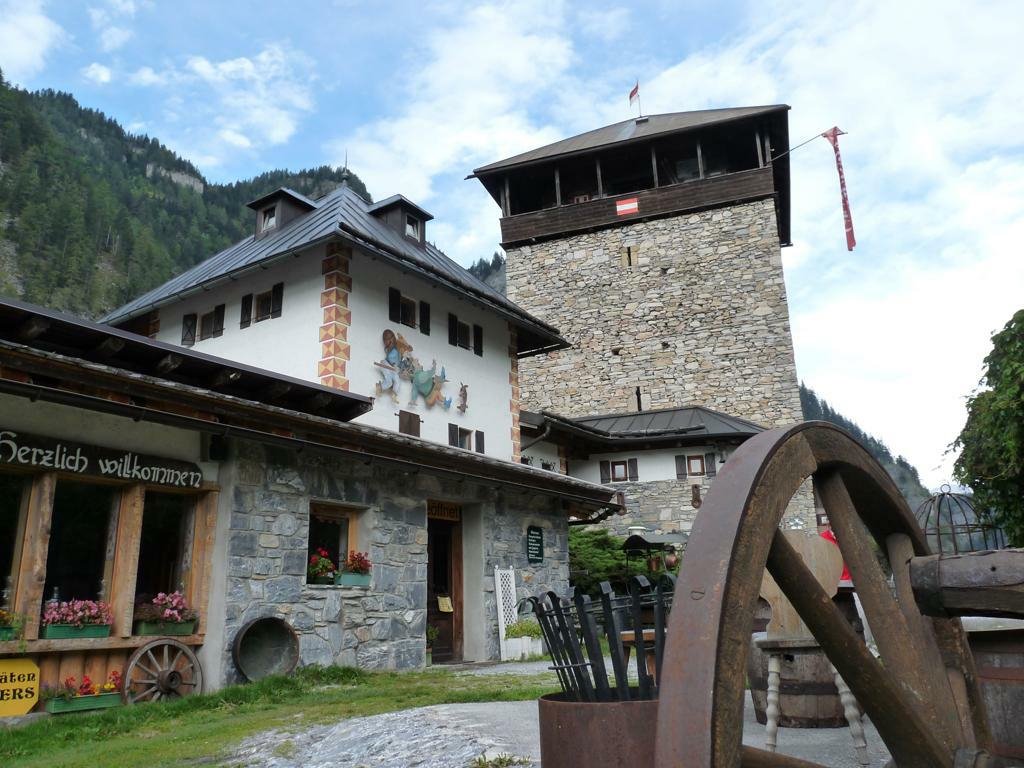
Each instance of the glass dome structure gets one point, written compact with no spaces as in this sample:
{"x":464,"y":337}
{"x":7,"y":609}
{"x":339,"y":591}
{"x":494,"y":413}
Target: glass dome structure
{"x":952,"y":526}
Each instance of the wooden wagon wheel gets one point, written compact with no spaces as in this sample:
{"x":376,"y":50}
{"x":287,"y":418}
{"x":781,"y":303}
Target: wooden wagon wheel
{"x":164,"y":668}
{"x":922,"y":694}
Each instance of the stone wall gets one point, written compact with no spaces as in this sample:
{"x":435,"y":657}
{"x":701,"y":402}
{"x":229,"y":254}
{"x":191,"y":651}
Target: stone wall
{"x":700,"y":318}
{"x":661,"y":506}
{"x":382,"y":626}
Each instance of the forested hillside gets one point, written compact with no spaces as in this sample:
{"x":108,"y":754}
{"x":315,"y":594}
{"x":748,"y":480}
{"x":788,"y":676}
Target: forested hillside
{"x":899,"y":469}
{"x":91,"y":216}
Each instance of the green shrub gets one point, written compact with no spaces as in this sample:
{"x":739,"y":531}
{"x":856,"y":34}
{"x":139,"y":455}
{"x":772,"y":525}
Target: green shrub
{"x":595,"y":556}
{"x":523,"y":628}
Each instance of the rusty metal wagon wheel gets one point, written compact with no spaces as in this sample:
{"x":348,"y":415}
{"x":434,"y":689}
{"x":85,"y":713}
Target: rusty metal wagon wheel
{"x":922,"y":694}
{"x":162,"y":669}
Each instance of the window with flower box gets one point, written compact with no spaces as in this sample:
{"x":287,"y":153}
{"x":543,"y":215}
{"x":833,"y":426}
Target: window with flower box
{"x":333,"y":529}
{"x":82,"y":533}
{"x":166,"y":518}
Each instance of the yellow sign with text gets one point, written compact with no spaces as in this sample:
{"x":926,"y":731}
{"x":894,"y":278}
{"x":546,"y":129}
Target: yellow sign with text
{"x":19,"y":686}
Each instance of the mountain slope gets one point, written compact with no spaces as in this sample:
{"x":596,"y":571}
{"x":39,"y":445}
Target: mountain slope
{"x":91,"y":216}
{"x":900,"y":470}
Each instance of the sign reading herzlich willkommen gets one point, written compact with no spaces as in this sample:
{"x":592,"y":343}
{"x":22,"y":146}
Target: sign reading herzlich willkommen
{"x":18,"y":448}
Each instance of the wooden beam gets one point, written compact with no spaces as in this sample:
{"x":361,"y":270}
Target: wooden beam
{"x":19,"y":541}
{"x":700,"y":161}
{"x":31,"y":578}
{"x":760,"y":149}
{"x":168,"y":363}
{"x":654,"y":166}
{"x":558,"y":187}
{"x":508,"y":198}
{"x":109,"y":347}
{"x":277,"y":389}
{"x":15,"y":647}
{"x":224,"y":376}
{"x":317,"y":401}
{"x":126,"y":559}
{"x":200,"y":559}
{"x":600,"y":185}
{"x":33,"y":328}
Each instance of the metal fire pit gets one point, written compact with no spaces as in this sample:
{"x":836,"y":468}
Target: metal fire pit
{"x":603,"y":734}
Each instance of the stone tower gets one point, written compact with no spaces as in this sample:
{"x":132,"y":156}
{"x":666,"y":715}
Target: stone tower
{"x":653,"y":245}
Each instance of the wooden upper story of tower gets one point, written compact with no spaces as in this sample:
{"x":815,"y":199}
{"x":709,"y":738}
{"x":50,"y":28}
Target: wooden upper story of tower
{"x":645,"y":167}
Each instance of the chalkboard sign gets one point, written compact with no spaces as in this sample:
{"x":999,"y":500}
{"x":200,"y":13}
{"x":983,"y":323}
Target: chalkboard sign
{"x":534,"y":544}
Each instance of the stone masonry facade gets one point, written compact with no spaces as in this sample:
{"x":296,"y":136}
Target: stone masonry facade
{"x":690,"y":308}
{"x":694,"y":313}
{"x":382,"y":626}
{"x":661,"y":506}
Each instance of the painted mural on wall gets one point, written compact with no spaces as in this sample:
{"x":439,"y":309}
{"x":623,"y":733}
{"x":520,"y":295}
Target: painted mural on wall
{"x":399,"y":365}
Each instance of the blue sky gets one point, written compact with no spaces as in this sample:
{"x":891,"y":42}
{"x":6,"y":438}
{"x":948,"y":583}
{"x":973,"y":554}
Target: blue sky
{"x":418,"y":94}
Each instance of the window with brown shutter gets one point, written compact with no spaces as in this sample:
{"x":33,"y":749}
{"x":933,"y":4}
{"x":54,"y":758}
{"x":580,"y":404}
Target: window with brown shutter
{"x":188,"y":330}
{"x":710,"y":463}
{"x":606,"y":471}
{"x":695,"y":465}
{"x":479,"y":442}
{"x":633,"y":470}
{"x":276,"y":299}
{"x":211,"y":324}
{"x":394,"y":305}
{"x":680,"y":467}
{"x":409,"y":423}
{"x":246,"y":318}
{"x":424,"y":318}
{"x":478,"y":341}
{"x":263,"y":306}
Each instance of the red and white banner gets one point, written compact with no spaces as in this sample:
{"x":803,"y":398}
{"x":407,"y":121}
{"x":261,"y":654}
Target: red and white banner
{"x":833,"y":134}
{"x":635,"y":93}
{"x":627,"y":206}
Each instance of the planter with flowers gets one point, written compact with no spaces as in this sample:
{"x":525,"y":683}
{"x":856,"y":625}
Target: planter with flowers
{"x":10,"y":625}
{"x":355,"y":572}
{"x":321,"y":568}
{"x":74,"y":696}
{"x":167,"y":614}
{"x":75,"y":619}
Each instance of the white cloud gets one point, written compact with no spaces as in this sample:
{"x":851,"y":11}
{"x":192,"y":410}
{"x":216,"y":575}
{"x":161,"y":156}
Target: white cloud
{"x":466,"y":101}
{"x":252,"y":102}
{"x":147,"y":76}
{"x":113,"y":38}
{"x":108,"y":21}
{"x":97,"y":73}
{"x":606,"y":24}
{"x":27,"y":37}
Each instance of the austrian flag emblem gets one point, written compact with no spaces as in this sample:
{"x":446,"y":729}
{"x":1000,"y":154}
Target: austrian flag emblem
{"x":627,"y":206}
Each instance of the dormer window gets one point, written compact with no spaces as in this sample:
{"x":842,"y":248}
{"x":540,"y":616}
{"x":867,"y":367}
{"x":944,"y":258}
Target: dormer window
{"x":268,"y":218}
{"x":412,"y":227}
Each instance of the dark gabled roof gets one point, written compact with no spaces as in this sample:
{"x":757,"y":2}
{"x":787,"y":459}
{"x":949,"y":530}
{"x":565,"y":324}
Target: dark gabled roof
{"x":301,"y":199}
{"x":343,"y":214}
{"x":50,"y":331}
{"x":394,"y":200}
{"x":634,"y":129}
{"x":690,"y":424}
{"x":695,"y":419}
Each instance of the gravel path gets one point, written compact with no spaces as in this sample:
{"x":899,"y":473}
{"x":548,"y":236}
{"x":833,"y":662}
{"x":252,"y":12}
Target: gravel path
{"x":455,"y":735}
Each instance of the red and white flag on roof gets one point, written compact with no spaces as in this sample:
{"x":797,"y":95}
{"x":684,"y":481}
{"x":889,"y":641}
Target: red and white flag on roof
{"x":634,"y":95}
{"x":833,"y":134}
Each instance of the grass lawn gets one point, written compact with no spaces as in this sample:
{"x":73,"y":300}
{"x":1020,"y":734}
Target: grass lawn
{"x":198,"y":730}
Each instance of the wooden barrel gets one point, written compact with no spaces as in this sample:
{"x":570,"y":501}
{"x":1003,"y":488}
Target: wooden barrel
{"x":808,"y":697}
{"x":999,"y":661}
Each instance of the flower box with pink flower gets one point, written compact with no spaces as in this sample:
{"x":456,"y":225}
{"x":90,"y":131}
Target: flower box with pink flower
{"x":166,"y":614}
{"x":76,"y":619}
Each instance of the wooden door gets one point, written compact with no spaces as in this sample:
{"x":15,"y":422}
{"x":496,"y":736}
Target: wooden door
{"x":444,"y":588}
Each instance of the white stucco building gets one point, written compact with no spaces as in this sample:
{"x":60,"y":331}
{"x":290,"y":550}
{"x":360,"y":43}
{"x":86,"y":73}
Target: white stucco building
{"x":351,"y":295}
